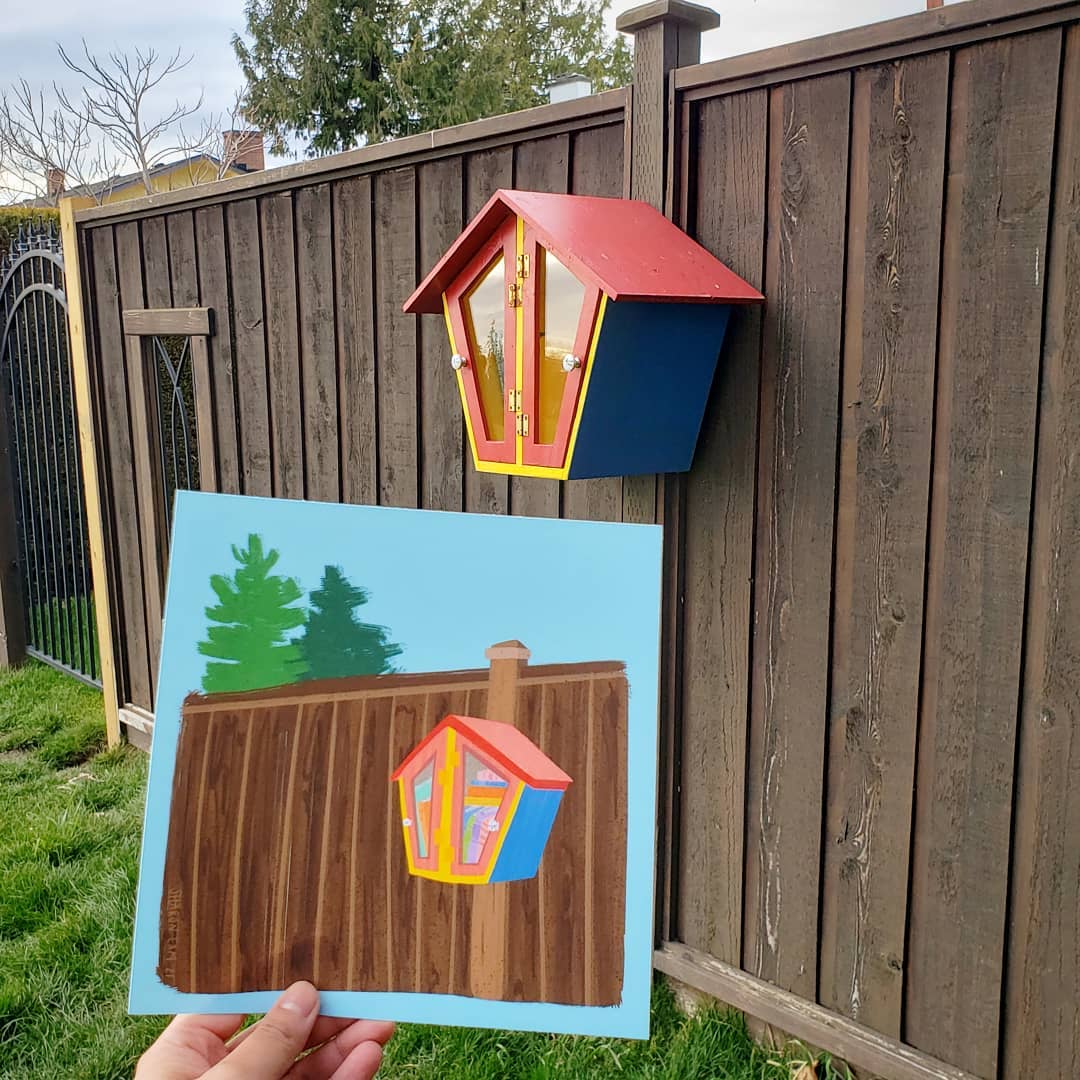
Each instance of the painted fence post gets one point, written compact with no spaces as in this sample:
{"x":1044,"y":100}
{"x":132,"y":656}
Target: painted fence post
{"x":490,"y":910}
{"x":12,"y":612}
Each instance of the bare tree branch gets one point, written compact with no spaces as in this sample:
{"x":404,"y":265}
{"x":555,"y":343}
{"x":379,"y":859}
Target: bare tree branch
{"x":114,"y":102}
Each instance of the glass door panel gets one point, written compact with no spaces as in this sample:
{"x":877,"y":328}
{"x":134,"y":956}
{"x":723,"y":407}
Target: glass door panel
{"x":563,"y":297}
{"x":485,"y":317}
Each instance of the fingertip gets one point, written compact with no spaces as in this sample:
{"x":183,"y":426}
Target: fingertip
{"x":362,"y":1063}
{"x":301,"y":998}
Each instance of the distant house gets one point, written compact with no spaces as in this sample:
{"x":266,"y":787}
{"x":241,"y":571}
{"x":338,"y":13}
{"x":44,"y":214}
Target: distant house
{"x":243,"y":154}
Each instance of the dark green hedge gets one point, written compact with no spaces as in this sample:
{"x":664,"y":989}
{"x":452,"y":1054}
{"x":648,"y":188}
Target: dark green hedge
{"x":11,"y":217}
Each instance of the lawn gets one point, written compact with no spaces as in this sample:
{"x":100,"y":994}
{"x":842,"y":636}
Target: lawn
{"x":70,"y":815}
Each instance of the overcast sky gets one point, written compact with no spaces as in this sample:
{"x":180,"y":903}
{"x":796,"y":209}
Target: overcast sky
{"x":29,"y":30}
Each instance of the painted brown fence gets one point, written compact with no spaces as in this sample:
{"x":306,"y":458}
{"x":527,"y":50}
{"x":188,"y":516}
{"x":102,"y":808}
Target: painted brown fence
{"x":870,"y":825}
{"x":280,"y":796}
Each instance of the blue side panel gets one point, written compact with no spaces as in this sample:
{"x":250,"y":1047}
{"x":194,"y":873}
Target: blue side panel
{"x":647,"y":393}
{"x":529,"y":830}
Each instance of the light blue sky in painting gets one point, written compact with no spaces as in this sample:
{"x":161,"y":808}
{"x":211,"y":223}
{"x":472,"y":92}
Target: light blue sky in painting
{"x":447,"y":586}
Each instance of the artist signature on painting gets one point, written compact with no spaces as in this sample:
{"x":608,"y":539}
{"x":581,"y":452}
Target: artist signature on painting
{"x":172,"y":934}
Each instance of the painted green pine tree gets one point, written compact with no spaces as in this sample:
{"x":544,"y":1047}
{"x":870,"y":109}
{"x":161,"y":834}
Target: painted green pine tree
{"x":248,"y":636}
{"x":336,"y":643}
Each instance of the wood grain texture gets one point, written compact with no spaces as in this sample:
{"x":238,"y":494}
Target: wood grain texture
{"x":542,"y":165}
{"x":396,"y":275}
{"x":282,"y":347}
{"x":119,"y":503}
{"x":859,"y":1046}
{"x":808,"y":152}
{"x":1042,"y":1021}
{"x":442,"y":443}
{"x":894,"y":242}
{"x":143,"y":403}
{"x":596,"y":169}
{"x":86,"y":388}
{"x":318,"y":354}
{"x":485,"y":173}
{"x":184,"y":280}
{"x":353,"y":272}
{"x":306,"y":783}
{"x":728,"y":218}
{"x":997,"y":201}
{"x":214,"y":289}
{"x":249,"y":337}
{"x":186,"y":320}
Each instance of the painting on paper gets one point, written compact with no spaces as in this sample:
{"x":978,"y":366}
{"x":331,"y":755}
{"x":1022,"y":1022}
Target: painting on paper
{"x":392,"y":755}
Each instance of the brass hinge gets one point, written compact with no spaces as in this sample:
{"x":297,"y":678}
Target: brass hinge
{"x":513,"y":295}
{"x":523,"y":266}
{"x":513,"y":400}
{"x":522,"y":426}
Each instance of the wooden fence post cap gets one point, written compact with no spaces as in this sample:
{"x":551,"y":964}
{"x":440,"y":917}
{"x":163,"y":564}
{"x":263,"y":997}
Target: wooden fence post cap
{"x":507,"y":650}
{"x":676,"y":11}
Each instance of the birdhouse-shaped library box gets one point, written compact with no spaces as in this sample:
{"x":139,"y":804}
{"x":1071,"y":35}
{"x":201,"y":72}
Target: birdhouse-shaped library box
{"x":478,"y":799}
{"x":584,"y":334}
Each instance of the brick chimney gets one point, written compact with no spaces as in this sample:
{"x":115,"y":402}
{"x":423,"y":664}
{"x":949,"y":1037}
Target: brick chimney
{"x":931,"y":4}
{"x":245,"y":148}
{"x":55,"y":181}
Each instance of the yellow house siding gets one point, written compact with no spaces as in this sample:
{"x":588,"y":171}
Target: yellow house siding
{"x":182,"y":175}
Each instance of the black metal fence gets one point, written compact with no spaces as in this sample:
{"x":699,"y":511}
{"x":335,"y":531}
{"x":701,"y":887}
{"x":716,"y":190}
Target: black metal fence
{"x":50,"y":515}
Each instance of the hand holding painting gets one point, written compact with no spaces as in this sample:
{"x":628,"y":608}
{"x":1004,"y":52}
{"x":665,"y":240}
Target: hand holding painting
{"x":194,"y":1046}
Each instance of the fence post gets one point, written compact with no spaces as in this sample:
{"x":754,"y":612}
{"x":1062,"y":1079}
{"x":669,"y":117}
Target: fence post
{"x":12,"y":613}
{"x":667,"y":35}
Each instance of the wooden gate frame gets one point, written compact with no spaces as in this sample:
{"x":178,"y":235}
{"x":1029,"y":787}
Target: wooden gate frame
{"x":95,"y":522}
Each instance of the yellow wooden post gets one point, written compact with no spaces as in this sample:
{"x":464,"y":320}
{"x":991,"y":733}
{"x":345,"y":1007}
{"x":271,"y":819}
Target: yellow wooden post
{"x":91,"y":486}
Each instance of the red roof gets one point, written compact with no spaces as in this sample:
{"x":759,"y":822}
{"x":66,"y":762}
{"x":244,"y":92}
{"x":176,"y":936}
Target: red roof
{"x":624,"y":247}
{"x":504,"y":744}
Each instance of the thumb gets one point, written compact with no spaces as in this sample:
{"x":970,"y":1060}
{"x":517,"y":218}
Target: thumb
{"x":275,"y":1041}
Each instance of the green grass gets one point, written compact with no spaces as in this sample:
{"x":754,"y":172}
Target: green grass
{"x":70,"y":816}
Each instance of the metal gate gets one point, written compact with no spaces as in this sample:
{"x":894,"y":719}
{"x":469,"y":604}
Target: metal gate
{"x":35,"y":377}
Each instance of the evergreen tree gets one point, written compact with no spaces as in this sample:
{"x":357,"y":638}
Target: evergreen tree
{"x":254,"y":614}
{"x":336,"y":643}
{"x":343,"y":72}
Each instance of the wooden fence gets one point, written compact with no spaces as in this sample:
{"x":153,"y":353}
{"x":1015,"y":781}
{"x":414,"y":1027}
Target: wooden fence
{"x":870,"y":817}
{"x":301,"y":776}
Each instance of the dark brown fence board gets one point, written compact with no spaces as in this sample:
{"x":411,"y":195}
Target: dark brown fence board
{"x":372,"y":909}
{"x":527,"y":947}
{"x":1042,"y":1021}
{"x":894,"y":244}
{"x":729,"y":152}
{"x":353,"y":272}
{"x":214,"y":292}
{"x":249,"y":334}
{"x":596,"y":168}
{"x":116,"y":423}
{"x":183,"y":267}
{"x":143,"y":410}
{"x":396,"y":276}
{"x":1001,"y":140}
{"x":318,"y":353}
{"x":541,"y":165}
{"x":607,"y":825}
{"x":439,"y":198}
{"x":282,"y":346}
{"x":808,"y":156}
{"x":562,"y":879}
{"x":485,"y":173}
